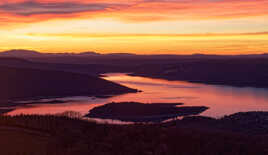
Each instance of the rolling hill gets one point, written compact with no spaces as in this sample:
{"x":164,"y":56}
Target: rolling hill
{"x":18,"y":83}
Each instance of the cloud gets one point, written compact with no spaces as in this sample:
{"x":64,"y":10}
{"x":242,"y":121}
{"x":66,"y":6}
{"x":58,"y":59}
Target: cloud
{"x":131,"y":10}
{"x":36,"y":8}
{"x":174,"y":36}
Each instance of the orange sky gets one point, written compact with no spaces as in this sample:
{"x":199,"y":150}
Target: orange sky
{"x":135,"y":26}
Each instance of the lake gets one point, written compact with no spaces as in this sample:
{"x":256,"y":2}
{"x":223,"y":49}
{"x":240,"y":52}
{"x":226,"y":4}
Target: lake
{"x":222,"y":100}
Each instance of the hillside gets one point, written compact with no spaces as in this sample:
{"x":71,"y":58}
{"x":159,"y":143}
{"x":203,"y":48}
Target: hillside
{"x":31,"y":83}
{"x":232,"y":72}
{"x":93,"y":69}
{"x":116,"y":58}
{"x":58,"y":135}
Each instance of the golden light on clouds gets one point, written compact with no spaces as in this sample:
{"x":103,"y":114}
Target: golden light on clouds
{"x":135,"y":26}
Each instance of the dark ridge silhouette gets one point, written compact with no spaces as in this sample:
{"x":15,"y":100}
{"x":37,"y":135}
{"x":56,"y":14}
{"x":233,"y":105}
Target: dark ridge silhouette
{"x":237,"y":70}
{"x":30,"y":83}
{"x":233,"y":72}
{"x":2,"y":111}
{"x":90,"y":69}
{"x":20,"y":53}
{"x":115,"y":58}
{"x":139,"y":112}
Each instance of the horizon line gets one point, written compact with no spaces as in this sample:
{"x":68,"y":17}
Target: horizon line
{"x":125,"y":53}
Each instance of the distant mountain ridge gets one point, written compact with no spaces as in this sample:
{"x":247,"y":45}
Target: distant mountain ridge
{"x":91,"y":57}
{"x":22,"y":53}
{"x":31,"y":53}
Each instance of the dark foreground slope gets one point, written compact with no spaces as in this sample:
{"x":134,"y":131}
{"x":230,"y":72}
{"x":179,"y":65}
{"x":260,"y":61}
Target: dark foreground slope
{"x":54,"y":135}
{"x":30,"y":83}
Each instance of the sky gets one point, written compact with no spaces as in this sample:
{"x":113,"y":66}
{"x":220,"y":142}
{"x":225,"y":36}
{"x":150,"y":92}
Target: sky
{"x":135,"y":26}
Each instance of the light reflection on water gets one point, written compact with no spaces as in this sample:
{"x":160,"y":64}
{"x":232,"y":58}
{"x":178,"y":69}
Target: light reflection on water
{"x":222,"y":100}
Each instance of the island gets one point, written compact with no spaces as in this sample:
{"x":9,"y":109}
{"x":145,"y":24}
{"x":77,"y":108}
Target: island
{"x":140,"y":112}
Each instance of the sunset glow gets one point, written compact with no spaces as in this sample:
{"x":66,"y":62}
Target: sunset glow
{"x":135,"y":26}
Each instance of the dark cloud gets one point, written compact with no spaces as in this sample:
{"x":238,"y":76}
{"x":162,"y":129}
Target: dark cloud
{"x":34,"y":8}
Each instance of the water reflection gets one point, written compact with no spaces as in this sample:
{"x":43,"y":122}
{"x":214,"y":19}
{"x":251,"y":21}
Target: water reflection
{"x":222,"y":100}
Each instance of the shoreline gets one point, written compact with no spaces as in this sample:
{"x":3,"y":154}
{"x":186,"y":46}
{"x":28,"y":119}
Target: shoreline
{"x":8,"y":106}
{"x":55,"y":99}
{"x":5,"y":110}
{"x":197,"y":81}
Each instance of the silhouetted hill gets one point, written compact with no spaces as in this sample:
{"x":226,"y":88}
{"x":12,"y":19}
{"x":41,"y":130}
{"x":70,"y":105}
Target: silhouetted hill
{"x":247,"y":71}
{"x":20,"y":53}
{"x":237,"y":70}
{"x":30,"y":83}
{"x":90,"y":69}
{"x":250,"y":72}
{"x":111,"y":58}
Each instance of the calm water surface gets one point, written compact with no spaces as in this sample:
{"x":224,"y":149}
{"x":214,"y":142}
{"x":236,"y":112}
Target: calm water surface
{"x":222,"y":100}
